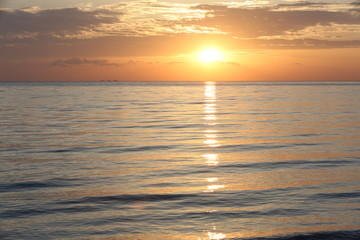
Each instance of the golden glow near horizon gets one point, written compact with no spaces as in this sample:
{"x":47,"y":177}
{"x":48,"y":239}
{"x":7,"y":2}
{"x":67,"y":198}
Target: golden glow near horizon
{"x":210,"y":55}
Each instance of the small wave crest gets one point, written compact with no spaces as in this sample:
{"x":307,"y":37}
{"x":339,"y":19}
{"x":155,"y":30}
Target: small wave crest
{"x":32,"y":185}
{"x":129,"y":198}
{"x":307,"y":164}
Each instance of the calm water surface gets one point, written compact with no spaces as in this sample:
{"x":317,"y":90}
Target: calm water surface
{"x":201,"y":161}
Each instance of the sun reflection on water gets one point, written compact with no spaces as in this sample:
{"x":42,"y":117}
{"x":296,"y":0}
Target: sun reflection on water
{"x":210,"y":103}
{"x":213,"y":188}
{"x":212,"y":179}
{"x":210,"y":118}
{"x":211,"y":141}
{"x":210,"y":108}
{"x":211,"y":159}
{"x":210,"y":92}
{"x":216,"y":236}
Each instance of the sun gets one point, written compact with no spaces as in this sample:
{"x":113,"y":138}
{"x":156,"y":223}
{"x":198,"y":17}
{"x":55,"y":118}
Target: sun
{"x":210,"y":55}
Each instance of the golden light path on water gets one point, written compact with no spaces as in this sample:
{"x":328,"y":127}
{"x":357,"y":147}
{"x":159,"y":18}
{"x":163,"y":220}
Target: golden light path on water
{"x":211,"y":141}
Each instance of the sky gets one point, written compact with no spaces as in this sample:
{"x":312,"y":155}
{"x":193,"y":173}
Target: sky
{"x":150,"y":40}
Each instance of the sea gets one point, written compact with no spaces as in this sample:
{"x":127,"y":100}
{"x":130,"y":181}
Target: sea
{"x":180,"y":160}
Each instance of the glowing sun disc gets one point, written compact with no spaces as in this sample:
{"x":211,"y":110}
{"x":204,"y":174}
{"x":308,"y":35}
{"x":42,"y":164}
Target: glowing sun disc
{"x":209,"y":55}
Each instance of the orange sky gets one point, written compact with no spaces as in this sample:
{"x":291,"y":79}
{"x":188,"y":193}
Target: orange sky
{"x":153,"y":40}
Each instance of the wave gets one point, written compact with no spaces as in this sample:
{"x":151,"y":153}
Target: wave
{"x":262,"y":146}
{"x":129,"y":198}
{"x":302,"y":164}
{"x":33,"y":185}
{"x":329,"y":235}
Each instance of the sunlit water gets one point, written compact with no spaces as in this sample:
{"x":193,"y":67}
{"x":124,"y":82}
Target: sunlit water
{"x":202,"y":161}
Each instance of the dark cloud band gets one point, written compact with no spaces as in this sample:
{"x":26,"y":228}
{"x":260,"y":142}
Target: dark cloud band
{"x":78,"y":61}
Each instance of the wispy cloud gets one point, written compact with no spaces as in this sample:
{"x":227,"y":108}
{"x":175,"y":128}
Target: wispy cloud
{"x":252,"y":23}
{"x":357,"y":3}
{"x":302,"y":4}
{"x":53,"y":22}
{"x":81,"y":61}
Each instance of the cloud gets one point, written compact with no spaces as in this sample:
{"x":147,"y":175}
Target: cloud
{"x":253,"y":23}
{"x":153,"y":18}
{"x":356,"y":6}
{"x":78,"y":61}
{"x":52,"y":21}
{"x":134,"y":18}
{"x":151,"y":28}
{"x":357,"y":3}
{"x":301,"y":4}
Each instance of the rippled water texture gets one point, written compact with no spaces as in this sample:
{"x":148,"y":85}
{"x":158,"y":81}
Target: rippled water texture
{"x":202,"y":161}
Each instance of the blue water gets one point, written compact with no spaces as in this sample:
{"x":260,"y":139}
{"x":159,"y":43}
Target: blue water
{"x":202,"y":161}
